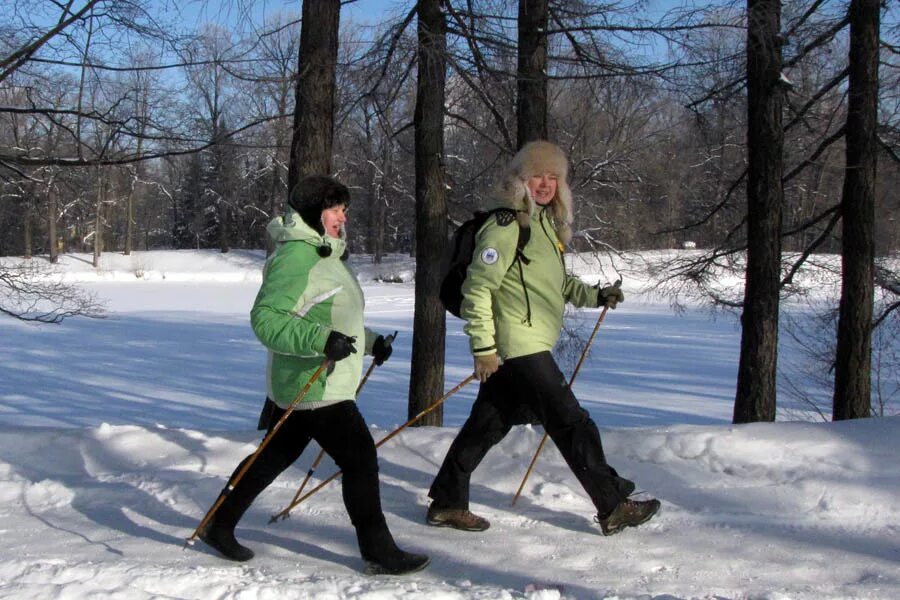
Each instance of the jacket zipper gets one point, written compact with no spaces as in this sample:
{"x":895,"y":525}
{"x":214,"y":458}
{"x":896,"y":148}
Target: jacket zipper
{"x":555,"y":244}
{"x":527,"y":319}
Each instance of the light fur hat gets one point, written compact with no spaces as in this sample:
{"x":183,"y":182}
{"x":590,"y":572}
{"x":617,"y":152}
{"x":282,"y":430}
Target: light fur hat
{"x":537,"y":158}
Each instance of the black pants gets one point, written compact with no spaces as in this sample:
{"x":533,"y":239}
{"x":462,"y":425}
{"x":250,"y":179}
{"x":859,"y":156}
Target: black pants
{"x":342,"y":432}
{"x":533,"y":382}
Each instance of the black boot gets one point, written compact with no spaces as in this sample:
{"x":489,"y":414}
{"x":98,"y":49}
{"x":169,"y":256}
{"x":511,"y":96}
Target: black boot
{"x":221,"y":538}
{"x":219,"y":532}
{"x":381,"y":554}
{"x":397,"y":563}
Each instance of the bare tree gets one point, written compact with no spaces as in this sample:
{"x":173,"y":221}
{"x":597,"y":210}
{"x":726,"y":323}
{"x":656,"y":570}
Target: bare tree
{"x":531,"y":100}
{"x":271,"y":86}
{"x":29,"y":292}
{"x":426,"y":382}
{"x":13,"y":61}
{"x":853,"y":361}
{"x":375,"y":137}
{"x":756,"y":384}
{"x":315,"y":92}
{"x":140,"y":91}
{"x":212,"y":86}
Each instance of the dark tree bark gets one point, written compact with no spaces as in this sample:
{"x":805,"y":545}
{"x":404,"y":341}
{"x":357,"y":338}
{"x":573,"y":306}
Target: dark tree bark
{"x":98,"y":216}
{"x":755,"y":397}
{"x":137,"y":175}
{"x":218,"y":184}
{"x":853,"y":360}
{"x":531,"y":79}
{"x":129,"y":218}
{"x":387,"y":165}
{"x":314,"y":109}
{"x":28,"y":222}
{"x":224,"y":220}
{"x":52,"y":236}
{"x":378,"y":174}
{"x":426,"y":383}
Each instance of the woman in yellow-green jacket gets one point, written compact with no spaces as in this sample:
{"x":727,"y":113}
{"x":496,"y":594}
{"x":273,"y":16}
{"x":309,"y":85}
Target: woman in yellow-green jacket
{"x":513,"y":303}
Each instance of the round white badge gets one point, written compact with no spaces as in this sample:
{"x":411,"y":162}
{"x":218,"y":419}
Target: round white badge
{"x":489,"y":256}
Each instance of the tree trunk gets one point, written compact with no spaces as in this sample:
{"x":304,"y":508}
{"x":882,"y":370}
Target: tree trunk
{"x":372,"y":197}
{"x":379,"y":187}
{"x":98,"y":217}
{"x":136,"y":177}
{"x":387,"y":165}
{"x":277,"y":198}
{"x":129,"y":219}
{"x":52,"y":237}
{"x":224,"y":223}
{"x":755,"y":397}
{"x":314,"y":109}
{"x":28,"y":222}
{"x":426,"y":383}
{"x":853,"y":360}
{"x":531,"y":79}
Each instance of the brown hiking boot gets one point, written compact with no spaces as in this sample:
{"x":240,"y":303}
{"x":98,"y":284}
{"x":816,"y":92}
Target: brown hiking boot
{"x":457,"y":518}
{"x":629,"y":513}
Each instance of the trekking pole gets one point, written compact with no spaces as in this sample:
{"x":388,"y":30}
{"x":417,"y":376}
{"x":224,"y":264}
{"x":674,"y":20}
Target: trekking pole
{"x":321,"y":455}
{"x":286,"y":512}
{"x":234,"y":481}
{"x":584,"y":352}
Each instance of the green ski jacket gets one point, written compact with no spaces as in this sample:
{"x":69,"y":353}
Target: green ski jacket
{"x":303,"y":297}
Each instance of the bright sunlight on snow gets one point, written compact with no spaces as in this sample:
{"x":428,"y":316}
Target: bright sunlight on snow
{"x":117,"y":434}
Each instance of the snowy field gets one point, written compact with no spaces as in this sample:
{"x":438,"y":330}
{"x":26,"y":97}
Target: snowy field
{"x":117,"y":434}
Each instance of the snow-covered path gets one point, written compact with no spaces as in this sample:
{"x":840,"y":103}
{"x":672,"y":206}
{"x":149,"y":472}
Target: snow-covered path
{"x":116,"y":435}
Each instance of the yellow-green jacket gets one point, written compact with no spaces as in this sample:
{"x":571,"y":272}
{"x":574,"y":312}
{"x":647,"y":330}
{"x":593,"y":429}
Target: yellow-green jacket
{"x":515,"y":307}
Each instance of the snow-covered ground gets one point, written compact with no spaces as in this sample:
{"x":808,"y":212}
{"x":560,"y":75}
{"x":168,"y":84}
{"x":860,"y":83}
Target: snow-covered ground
{"x":116,"y":435}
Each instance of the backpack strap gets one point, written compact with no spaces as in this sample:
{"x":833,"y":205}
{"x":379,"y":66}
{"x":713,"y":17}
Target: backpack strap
{"x":505,"y":217}
{"x":524,"y":236}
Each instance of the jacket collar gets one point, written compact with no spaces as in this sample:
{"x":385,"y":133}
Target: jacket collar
{"x":291,"y":228}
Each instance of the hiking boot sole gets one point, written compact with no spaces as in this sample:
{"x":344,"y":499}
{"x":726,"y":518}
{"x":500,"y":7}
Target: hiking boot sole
{"x":373,"y":568}
{"x":624,"y":526}
{"x":437,"y":523}
{"x":240,"y":553}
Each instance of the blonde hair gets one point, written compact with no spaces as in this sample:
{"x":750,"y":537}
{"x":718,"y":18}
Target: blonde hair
{"x":536,"y":158}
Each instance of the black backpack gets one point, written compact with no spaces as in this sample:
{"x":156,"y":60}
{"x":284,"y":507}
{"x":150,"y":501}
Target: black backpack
{"x":462,"y":246}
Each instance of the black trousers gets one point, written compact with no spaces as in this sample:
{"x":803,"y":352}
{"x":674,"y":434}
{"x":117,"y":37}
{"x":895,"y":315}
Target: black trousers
{"x":534,"y":383}
{"x":342,"y":432}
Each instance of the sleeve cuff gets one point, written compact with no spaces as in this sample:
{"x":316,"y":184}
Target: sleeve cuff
{"x":485,"y":350}
{"x":324,"y":332}
{"x":371,"y":336}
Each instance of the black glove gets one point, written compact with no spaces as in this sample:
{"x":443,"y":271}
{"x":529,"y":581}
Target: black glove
{"x":610,"y":295}
{"x":382,"y":349}
{"x":339,"y":346}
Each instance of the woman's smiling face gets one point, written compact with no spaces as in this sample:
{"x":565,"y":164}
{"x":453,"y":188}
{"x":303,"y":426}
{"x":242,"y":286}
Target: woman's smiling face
{"x":543,"y":187}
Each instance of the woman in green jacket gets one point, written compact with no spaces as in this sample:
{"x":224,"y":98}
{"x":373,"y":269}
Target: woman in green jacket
{"x":309,"y":309}
{"x":513,"y":303}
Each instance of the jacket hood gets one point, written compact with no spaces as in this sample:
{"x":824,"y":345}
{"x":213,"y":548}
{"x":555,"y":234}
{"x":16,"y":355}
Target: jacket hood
{"x":536,"y":158}
{"x":315,"y":193}
{"x":291,"y":228}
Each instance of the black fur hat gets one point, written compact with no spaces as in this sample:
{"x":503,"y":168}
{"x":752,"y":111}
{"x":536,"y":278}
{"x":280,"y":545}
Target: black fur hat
{"x":314,"y":194}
